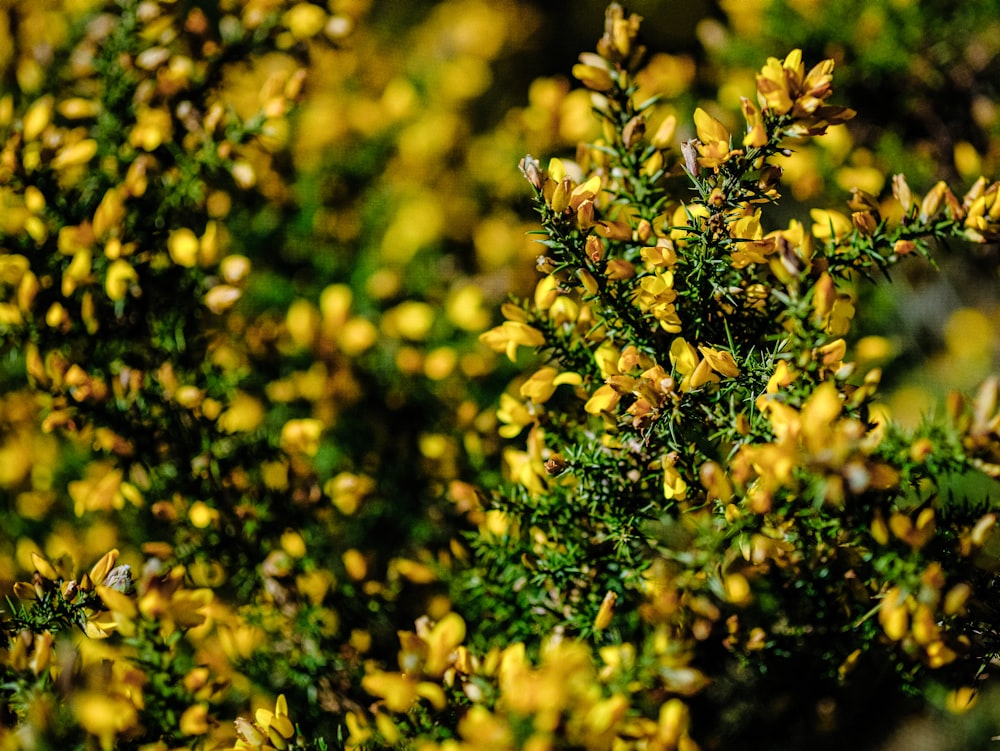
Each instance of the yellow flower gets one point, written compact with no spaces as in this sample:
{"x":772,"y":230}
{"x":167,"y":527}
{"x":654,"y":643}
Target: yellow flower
{"x":41,"y":651}
{"x":694,"y":371}
{"x":618,"y":43}
{"x":109,"y":215}
{"x":982,"y":221}
{"x":510,"y":335}
{"x":818,"y":414}
{"x":37,"y":118}
{"x":304,"y":20}
{"x":756,"y":134}
{"x":751,"y":246}
{"x":604,"y":399}
{"x":120,"y":279}
{"x":655,"y":294}
{"x":221,"y":298}
{"x":102,"y":489}
{"x":442,"y":640}
{"x":78,"y":108}
{"x":301,"y":436}
{"x":194,"y":720}
{"x":784,"y":87}
{"x":893,"y":613}
{"x":543,"y":383}
{"x":593,"y":72}
{"x":335,"y":305}
{"x":603,"y":618}
{"x":103,"y":715}
{"x":830,"y":225}
{"x":172,"y":607}
{"x":182,"y":245}
{"x":152,"y":128}
{"x":720,"y":361}
{"x":781,"y":377}
{"x":524,"y":469}
{"x":244,"y":414}
{"x":347,"y":490}
{"x":269,"y":729}
{"x":961,"y":699}
{"x":915,"y":533}
{"x":412,"y":319}
{"x":831,"y":355}
{"x":75,"y":154}
{"x":737,"y":588}
{"x":674,"y":486}
{"x":78,"y":271}
{"x":714,"y":140}
{"x":514,"y":416}
{"x":481,"y":729}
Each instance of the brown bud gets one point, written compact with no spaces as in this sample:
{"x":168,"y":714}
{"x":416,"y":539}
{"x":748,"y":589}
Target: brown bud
{"x":634,"y":130}
{"x":862,"y":200}
{"x":556,"y":464}
{"x":864,"y":222}
{"x":901,"y":190}
{"x":689,"y":149}
{"x":532,"y":171}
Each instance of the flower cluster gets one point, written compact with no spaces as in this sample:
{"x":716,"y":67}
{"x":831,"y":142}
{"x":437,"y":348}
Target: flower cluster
{"x":718,"y":430}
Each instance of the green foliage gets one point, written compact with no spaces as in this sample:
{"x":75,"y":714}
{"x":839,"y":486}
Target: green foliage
{"x":255,"y":486}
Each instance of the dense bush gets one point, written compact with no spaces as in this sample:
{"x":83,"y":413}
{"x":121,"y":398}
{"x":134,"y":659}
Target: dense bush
{"x":270,"y":479}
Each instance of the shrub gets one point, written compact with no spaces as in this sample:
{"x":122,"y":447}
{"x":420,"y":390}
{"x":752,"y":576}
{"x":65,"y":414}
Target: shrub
{"x":243,"y":479}
{"x":710,"y":505}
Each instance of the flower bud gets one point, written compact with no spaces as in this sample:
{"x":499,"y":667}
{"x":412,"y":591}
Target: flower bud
{"x":532,"y":171}
{"x":603,"y":618}
{"x":633,"y":131}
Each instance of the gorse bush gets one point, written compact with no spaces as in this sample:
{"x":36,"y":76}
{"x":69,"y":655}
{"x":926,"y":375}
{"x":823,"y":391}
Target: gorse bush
{"x":258,"y":494}
{"x":708,"y":489}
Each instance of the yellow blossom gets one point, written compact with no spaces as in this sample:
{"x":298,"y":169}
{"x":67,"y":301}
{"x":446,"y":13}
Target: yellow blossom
{"x":274,"y":728}
{"x":514,"y":415}
{"x":756,"y":135}
{"x":182,"y":245}
{"x":604,"y":399}
{"x":781,"y":377}
{"x":543,"y":383}
{"x":893,"y":614}
{"x":153,"y":127}
{"x":603,"y":618}
{"x":674,"y":485}
{"x":301,"y":436}
{"x":524,"y":469}
{"x":830,"y":225}
{"x":119,"y":279}
{"x":593,"y":72}
{"x":720,"y":361}
{"x":694,"y":371}
{"x":442,"y":640}
{"x":194,"y":720}
{"x":221,"y":298}
{"x":304,"y":20}
{"x":510,"y":335}
{"x":37,"y":118}
{"x":244,"y":414}
{"x":784,"y":87}
{"x":714,"y":140}
{"x":102,"y":489}
{"x":103,"y":715}
{"x":75,"y":154}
